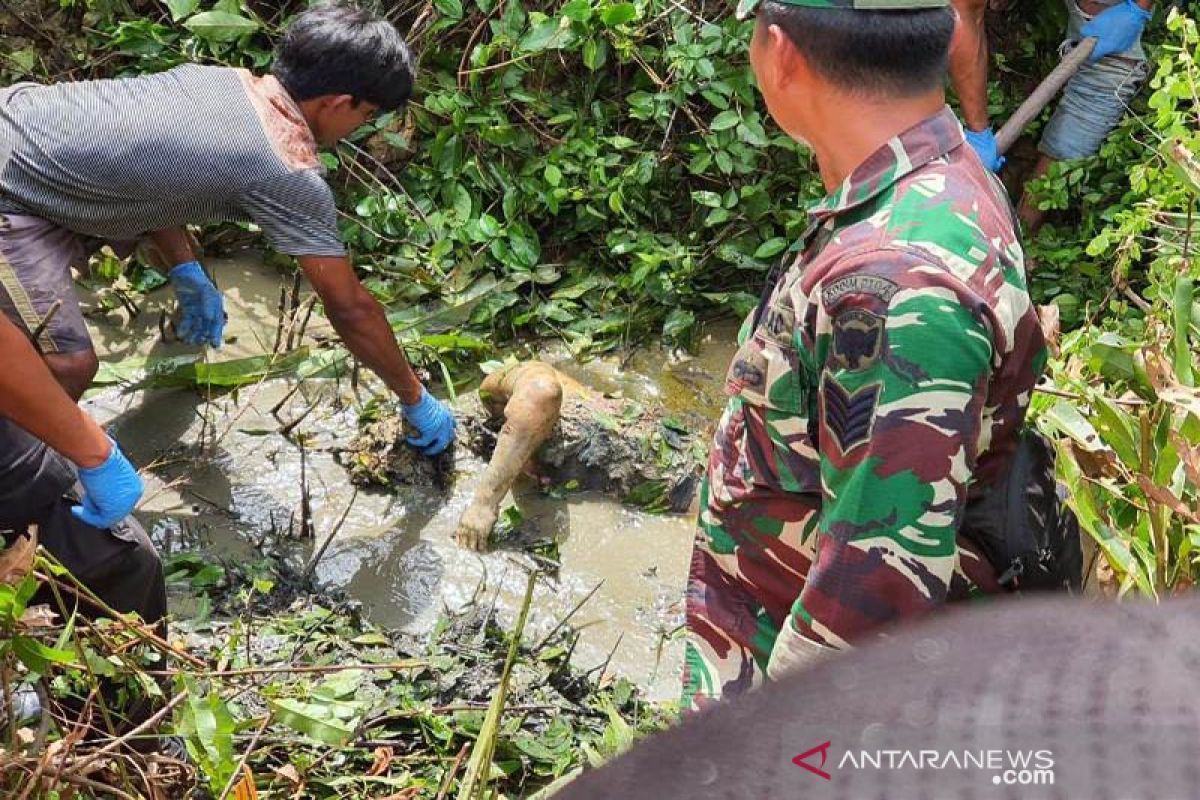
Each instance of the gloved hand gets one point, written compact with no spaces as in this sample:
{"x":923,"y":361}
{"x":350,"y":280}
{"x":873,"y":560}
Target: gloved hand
{"x":1116,"y":29}
{"x":434,"y":421}
{"x":111,"y":491}
{"x":984,"y":143}
{"x":203,"y":312}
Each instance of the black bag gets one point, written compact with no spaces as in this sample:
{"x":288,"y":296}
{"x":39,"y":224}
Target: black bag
{"x":1023,"y":525}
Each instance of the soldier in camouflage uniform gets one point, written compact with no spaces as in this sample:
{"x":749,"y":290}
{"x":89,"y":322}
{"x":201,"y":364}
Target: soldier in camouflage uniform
{"x":885,"y":376}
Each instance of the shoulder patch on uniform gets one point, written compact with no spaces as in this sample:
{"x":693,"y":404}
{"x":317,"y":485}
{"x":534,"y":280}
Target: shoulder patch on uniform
{"x":745,"y":373}
{"x":849,"y":416}
{"x":857,"y":339}
{"x":873,"y":285}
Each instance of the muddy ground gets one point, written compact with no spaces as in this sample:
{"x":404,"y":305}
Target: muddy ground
{"x":240,"y":495}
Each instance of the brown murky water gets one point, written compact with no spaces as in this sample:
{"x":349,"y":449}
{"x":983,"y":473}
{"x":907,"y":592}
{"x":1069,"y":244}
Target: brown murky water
{"x":395,"y":551}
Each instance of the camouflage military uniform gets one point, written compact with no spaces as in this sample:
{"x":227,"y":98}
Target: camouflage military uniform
{"x":883,"y":381}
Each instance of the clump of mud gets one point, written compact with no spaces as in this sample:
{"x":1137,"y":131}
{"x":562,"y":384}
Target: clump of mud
{"x":600,"y":444}
{"x":381,"y":456}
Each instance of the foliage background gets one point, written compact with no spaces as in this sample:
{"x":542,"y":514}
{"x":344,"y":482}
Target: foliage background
{"x":603,"y":166}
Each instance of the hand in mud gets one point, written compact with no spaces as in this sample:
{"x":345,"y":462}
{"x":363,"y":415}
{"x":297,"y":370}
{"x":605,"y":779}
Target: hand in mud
{"x":475,"y":527}
{"x":202,"y":311}
{"x":434,"y":422}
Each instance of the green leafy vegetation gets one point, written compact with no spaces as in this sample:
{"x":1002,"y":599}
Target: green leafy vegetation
{"x":287,"y":696}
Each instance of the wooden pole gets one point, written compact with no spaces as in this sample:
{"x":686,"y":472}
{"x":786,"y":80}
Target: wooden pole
{"x":1044,"y":93}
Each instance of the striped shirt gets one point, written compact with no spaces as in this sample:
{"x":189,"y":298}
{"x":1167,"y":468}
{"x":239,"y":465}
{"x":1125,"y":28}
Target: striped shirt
{"x":116,"y":159}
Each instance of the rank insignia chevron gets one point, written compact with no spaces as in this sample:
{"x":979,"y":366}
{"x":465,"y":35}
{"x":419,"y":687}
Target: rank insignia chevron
{"x":849,"y":416}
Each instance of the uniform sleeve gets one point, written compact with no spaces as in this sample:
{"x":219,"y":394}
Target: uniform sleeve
{"x":297,"y":213}
{"x":904,"y":352}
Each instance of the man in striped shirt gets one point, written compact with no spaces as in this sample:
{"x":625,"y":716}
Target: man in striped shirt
{"x":131,"y":161}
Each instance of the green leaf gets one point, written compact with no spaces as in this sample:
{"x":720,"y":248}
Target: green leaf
{"x":717,"y":216}
{"x":577,"y":10}
{"x":548,"y":35}
{"x":181,"y":8}
{"x":595,"y":54}
{"x":312,"y":720}
{"x":208,"y":727}
{"x":771,"y":247}
{"x":619,"y":14}
{"x":220,"y":26}
{"x":525,"y":249}
{"x":725,"y":120}
{"x":1067,"y":419}
{"x":679,"y":324}
{"x":454,"y":341}
{"x":237,"y":371}
{"x":1118,"y":431}
{"x":489,"y":226}
{"x":37,"y":656}
{"x":450,"y":9}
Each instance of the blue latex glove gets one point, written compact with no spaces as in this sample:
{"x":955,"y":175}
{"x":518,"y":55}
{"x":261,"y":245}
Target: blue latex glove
{"x":1116,"y":29}
{"x":202,"y":320}
{"x":434,"y":421}
{"x":111,"y":491}
{"x":984,"y":144}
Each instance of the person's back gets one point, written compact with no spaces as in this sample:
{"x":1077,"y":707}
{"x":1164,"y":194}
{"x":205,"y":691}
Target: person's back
{"x":114,"y":159}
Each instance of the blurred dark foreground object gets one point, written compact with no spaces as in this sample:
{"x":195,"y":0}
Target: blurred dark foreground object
{"x":1055,"y":698}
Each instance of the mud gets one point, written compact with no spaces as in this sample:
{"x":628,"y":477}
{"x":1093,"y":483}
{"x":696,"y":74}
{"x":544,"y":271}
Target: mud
{"x":247,"y":487}
{"x":624,"y":449}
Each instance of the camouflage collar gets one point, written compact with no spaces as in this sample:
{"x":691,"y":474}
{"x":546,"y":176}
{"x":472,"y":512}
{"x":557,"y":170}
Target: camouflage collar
{"x":898,"y":157}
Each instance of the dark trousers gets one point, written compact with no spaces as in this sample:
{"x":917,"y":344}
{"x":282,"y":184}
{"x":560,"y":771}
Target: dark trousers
{"x":119,"y":564}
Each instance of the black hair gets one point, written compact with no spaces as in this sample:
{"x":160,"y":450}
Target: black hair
{"x":889,"y":52}
{"x":335,"y":49}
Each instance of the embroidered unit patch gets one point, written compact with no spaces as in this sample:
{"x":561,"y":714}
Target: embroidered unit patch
{"x":858,"y":284}
{"x":857,"y":339}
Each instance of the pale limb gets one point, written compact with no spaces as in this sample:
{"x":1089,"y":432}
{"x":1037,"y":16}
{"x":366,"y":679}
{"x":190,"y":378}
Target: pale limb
{"x":530,"y":394}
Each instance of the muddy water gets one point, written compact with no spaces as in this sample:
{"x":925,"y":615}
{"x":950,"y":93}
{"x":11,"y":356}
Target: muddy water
{"x":395,"y":551}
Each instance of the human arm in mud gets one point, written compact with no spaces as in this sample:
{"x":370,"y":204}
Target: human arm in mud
{"x":530,"y":395}
{"x":170,"y":247}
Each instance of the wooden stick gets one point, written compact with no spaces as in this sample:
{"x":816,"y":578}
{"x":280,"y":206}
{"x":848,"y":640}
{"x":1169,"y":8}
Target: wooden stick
{"x":312,"y":564}
{"x":1043,"y":94}
{"x":240,"y":769}
{"x":120,"y":740}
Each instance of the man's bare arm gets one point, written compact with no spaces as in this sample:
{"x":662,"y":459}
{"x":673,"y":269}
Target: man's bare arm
{"x":171,"y":247}
{"x":969,"y":63}
{"x":360,"y":321}
{"x":34,"y":400}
